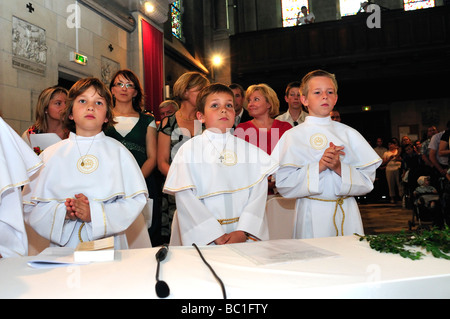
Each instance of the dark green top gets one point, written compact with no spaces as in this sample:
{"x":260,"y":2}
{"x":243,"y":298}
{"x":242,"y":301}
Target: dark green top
{"x":134,"y":141}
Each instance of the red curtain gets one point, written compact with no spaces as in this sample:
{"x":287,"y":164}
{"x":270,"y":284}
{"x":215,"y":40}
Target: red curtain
{"x":152,"y":40}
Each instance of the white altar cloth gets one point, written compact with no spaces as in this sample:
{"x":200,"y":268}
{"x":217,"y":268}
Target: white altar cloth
{"x":353,"y":271}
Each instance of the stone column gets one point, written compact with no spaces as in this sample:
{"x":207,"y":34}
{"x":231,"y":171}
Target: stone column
{"x":221,"y":42}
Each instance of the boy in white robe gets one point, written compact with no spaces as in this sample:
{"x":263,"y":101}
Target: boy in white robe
{"x":90,"y":186}
{"x":17,"y":163}
{"x":324,"y":163}
{"x":219,"y":181}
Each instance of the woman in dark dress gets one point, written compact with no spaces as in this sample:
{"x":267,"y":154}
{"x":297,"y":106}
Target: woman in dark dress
{"x":137,"y":132}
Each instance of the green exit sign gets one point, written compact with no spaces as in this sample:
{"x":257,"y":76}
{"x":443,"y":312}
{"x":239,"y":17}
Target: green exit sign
{"x":78,"y":58}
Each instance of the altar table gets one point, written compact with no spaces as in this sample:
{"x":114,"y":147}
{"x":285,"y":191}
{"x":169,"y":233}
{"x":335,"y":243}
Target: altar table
{"x":352,"y":270}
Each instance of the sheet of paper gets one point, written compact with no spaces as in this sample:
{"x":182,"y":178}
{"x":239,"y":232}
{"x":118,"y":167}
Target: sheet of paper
{"x":44,"y":140}
{"x":54,"y":257}
{"x":279,"y":251}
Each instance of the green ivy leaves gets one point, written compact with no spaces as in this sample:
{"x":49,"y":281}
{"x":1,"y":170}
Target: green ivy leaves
{"x":435,"y":241}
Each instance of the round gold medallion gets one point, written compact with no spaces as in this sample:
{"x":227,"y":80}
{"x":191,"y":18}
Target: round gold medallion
{"x":87,"y":164}
{"x":318,"y":141}
{"x":228,"y":158}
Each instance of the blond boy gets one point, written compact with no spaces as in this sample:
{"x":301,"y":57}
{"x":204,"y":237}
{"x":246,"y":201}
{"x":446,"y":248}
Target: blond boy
{"x":324,"y":163}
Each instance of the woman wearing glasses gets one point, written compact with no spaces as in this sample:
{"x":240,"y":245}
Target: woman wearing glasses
{"x":133,"y":128}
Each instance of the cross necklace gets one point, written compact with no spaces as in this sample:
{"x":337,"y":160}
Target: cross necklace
{"x":221,"y":156}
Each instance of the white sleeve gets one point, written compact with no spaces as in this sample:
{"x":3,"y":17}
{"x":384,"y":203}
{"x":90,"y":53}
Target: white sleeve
{"x":197,"y":224}
{"x":48,"y":219}
{"x":13,"y":237}
{"x":252,"y":219}
{"x":356,"y":181}
{"x":295,"y":182}
{"x":113,"y":217}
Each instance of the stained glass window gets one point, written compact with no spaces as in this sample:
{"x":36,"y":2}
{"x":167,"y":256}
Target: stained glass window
{"x":350,"y":7}
{"x":175,"y":12}
{"x":417,"y":4}
{"x":290,"y":10}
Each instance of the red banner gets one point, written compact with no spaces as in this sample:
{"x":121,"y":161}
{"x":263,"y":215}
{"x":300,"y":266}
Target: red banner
{"x":152,"y":40}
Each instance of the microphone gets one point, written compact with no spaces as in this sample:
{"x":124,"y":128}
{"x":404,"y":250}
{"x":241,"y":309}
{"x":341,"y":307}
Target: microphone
{"x":161,"y":287}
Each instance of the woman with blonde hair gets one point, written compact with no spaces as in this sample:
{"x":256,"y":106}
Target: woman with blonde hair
{"x":50,"y":104}
{"x":263,"y":130}
{"x":175,"y":130}
{"x":179,"y":127}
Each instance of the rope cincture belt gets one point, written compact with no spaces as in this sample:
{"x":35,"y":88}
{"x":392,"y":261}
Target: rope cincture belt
{"x":79,"y":232}
{"x":339,"y":203}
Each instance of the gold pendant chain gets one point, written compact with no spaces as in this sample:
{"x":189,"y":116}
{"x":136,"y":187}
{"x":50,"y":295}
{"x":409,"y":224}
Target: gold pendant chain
{"x":81,"y":156}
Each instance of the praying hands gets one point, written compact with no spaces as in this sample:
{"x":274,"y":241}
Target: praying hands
{"x":78,"y":208}
{"x":330,"y":159}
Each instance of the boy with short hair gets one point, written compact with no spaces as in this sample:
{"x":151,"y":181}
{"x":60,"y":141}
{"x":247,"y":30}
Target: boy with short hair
{"x":324,"y":163}
{"x":295,"y":114}
{"x":219,"y":181}
{"x":90,"y":186}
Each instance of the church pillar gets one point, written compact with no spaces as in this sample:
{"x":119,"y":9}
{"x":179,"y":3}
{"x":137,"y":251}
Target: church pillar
{"x":221,"y":43}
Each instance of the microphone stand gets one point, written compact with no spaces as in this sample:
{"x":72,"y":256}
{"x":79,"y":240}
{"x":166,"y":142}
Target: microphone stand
{"x":222,"y":286}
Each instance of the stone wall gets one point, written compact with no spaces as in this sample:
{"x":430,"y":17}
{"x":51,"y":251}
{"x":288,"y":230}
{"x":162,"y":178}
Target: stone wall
{"x":50,"y":28}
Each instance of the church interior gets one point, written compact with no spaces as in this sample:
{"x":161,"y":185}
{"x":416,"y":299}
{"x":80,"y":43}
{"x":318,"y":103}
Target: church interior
{"x":390,"y":77}
{"x":390,"y":62}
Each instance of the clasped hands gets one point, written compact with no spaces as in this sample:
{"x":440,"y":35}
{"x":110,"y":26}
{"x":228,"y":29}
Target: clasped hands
{"x":237,"y":236}
{"x":330,"y":159}
{"x":78,"y":208}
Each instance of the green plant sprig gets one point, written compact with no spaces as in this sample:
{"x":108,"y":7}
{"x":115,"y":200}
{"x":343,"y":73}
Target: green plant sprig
{"x":435,"y":241}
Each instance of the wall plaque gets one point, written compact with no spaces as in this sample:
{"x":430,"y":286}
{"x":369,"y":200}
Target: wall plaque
{"x":108,"y":69}
{"x":29,"y":47}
